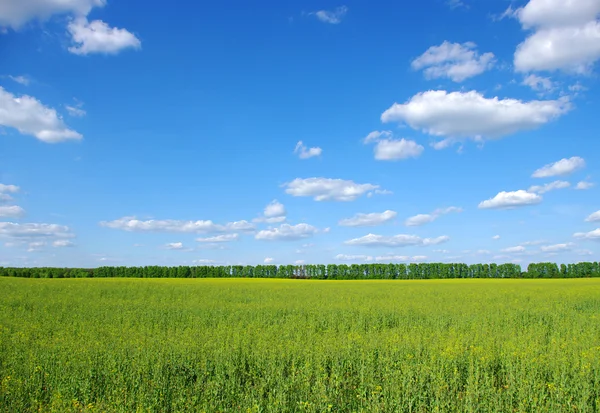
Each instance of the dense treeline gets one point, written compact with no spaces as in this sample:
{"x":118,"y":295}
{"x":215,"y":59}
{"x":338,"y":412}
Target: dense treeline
{"x":321,"y":272}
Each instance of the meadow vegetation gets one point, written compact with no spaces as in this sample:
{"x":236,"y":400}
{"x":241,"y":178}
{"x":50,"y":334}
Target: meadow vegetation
{"x":271,"y":345}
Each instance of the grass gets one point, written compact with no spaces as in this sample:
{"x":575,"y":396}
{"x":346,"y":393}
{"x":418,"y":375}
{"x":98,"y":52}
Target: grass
{"x":247,"y":345}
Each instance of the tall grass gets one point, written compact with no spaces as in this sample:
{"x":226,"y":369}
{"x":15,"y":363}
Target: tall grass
{"x":183,"y":345}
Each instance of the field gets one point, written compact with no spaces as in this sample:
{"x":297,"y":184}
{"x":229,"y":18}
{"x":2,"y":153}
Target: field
{"x":250,"y":345}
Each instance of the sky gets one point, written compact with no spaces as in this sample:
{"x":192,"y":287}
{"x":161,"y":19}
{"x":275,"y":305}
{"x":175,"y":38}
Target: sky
{"x":317,"y":132}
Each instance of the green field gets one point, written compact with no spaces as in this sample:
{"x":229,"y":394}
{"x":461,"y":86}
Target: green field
{"x":217,"y":345}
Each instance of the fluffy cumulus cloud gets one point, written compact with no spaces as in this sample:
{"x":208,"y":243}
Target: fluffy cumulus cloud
{"x":12,"y":211}
{"x":387,"y":149}
{"x":286,"y":232}
{"x":496,"y":237}
{"x":456,"y":115}
{"x":171,"y":225}
{"x":595,"y":217}
{"x":396,"y":149}
{"x":400,"y":240}
{"x":98,"y":37}
{"x":566,"y":35}
{"x":454,"y":61}
{"x":269,"y":260}
{"x":592,"y":235}
{"x":509,"y":200}
{"x":6,"y":191}
{"x":30,"y":117}
{"x":368,"y":220}
{"x":274,"y":212}
{"x":331,"y":16}
{"x":559,"y":168}
{"x":422,"y":219}
{"x":326,"y":189}
{"x":15,"y":13}
{"x":220,"y":238}
{"x":542,"y":189}
{"x":305,"y":153}
{"x":87,"y":37}
{"x":345,"y":257}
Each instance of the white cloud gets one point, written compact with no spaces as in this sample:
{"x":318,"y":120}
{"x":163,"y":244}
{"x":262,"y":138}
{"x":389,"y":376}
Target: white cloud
{"x":15,"y":13}
{"x":592,"y":235}
{"x":557,"y":247}
{"x":23,"y":80}
{"x":204,"y":262}
{"x":287,"y":232}
{"x":172,"y":225}
{"x":62,"y":243}
{"x":458,"y":115}
{"x":344,"y":257}
{"x":366,"y":220}
{"x":401,"y":240}
{"x":387,"y":149}
{"x":595,"y":217}
{"x":274,"y":209}
{"x":557,"y":13}
{"x":566,"y":35}
{"x":75,"y":111}
{"x":13,"y":211}
{"x":513,"y":250}
{"x":436,"y":241}
{"x":454,"y":4}
{"x":454,"y":61}
{"x":36,"y":246}
{"x":583,"y":185}
{"x":174,"y":246}
{"x":220,"y":238}
{"x":326,"y":189}
{"x":496,"y":237}
{"x":14,"y":230}
{"x":542,"y":189}
{"x":585,"y":252}
{"x":539,"y":83}
{"x":305,"y":153}
{"x":509,"y":200}
{"x":394,"y":149}
{"x":30,"y":117}
{"x":269,"y":260}
{"x":243,"y":226}
{"x":400,"y":258}
{"x":377,"y":135}
{"x":274,"y":212}
{"x":10,"y":189}
{"x":98,"y":37}
{"x":333,"y":17}
{"x":563,"y":167}
{"x":422,"y":219}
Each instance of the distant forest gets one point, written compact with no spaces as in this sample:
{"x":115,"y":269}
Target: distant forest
{"x":321,"y":272}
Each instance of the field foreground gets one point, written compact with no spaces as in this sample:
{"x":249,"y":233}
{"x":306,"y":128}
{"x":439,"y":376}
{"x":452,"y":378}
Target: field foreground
{"x":220,"y":345}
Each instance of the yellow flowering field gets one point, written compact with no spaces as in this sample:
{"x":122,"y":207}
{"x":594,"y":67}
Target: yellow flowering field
{"x":271,"y":345}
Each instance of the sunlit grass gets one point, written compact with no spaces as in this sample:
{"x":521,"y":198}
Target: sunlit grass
{"x":176,"y":345}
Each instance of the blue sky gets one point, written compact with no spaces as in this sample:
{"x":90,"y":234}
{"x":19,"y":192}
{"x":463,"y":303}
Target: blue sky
{"x":282,"y":132}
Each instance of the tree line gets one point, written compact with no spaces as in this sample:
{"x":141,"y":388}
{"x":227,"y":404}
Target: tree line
{"x":413,"y":271}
